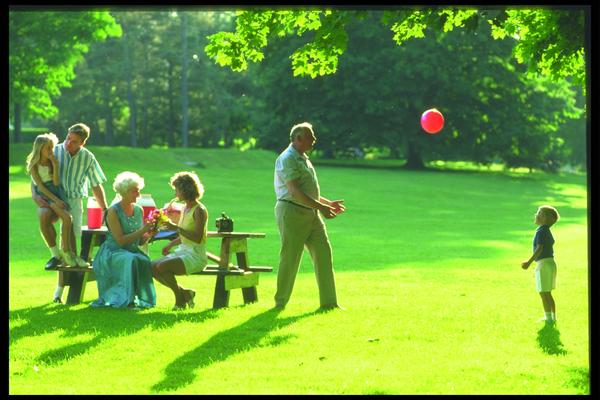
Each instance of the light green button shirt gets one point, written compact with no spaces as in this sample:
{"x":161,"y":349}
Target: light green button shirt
{"x":292,"y":165}
{"x":78,"y":172}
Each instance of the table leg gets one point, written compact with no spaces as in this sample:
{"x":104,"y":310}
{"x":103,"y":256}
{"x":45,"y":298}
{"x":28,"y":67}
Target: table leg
{"x":250,"y":295}
{"x":224,"y":263}
{"x":76,"y":286}
{"x":221,"y":298}
{"x":78,"y":280}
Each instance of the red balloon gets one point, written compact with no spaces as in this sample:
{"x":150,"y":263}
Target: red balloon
{"x":432,"y":121}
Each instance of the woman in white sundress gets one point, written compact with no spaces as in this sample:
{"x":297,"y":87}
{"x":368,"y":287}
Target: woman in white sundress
{"x":190,"y":254}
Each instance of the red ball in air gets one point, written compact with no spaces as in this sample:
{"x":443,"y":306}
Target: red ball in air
{"x":432,"y":121}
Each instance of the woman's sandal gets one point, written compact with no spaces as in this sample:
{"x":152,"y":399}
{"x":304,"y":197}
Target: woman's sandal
{"x":190,"y":301}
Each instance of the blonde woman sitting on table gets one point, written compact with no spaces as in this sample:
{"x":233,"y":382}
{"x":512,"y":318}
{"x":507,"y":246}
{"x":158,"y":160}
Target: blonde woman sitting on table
{"x":123,"y":271}
{"x":190,"y":254}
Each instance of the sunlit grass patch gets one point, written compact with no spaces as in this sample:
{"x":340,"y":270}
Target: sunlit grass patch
{"x":427,"y":266}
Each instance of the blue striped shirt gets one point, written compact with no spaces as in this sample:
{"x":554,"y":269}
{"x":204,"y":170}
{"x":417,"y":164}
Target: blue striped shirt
{"x":78,"y":172}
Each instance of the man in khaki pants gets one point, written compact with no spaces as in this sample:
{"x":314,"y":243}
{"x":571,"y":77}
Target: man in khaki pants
{"x":300,"y":224}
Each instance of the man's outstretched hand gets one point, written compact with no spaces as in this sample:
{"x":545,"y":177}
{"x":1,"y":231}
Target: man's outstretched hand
{"x":327,"y":211}
{"x":338,"y":206}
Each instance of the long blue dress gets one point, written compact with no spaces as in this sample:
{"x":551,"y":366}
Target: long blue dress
{"x":124,"y":274}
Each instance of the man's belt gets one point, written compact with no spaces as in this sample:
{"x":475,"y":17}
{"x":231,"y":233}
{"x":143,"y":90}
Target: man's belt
{"x":296,"y":204}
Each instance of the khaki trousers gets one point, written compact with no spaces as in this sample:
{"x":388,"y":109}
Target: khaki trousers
{"x":300,"y":227}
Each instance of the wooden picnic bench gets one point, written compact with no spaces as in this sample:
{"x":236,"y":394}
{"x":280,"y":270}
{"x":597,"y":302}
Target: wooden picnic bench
{"x":228,"y":276}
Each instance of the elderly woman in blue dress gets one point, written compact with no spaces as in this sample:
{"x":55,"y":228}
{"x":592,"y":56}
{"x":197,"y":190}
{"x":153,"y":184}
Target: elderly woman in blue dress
{"x":123,"y":271}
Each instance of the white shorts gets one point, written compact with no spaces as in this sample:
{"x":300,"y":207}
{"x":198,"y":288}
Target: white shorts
{"x":545,"y":275}
{"x":193,"y":257}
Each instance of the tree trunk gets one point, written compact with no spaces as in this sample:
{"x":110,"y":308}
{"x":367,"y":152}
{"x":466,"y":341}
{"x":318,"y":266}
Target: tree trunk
{"x":108,"y":137}
{"x":130,"y":95}
{"x":17,"y":123}
{"x":588,"y":93}
{"x":221,"y":126}
{"x":413,"y":157}
{"x":170,"y":130}
{"x":184,"y":82}
{"x":132,"y":115}
{"x":144,"y":137}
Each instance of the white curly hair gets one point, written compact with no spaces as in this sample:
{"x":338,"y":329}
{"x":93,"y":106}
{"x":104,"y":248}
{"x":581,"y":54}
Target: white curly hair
{"x":126,"y":180}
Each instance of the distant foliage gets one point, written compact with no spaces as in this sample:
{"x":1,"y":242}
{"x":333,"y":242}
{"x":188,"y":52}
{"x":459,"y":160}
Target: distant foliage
{"x":44,"y":48}
{"x":132,"y":89}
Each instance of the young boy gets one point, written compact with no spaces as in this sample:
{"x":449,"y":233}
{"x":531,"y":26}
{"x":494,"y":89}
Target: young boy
{"x":543,"y":253}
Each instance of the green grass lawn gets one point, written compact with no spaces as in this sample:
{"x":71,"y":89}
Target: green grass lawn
{"x":427,"y":265}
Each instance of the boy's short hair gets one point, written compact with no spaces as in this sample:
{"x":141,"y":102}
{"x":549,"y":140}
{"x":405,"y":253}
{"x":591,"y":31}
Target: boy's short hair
{"x":81,"y":130}
{"x":551,"y":213}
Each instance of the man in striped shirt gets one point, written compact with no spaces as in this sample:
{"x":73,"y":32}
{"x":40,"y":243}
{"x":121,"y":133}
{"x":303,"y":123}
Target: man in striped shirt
{"x":78,"y":169}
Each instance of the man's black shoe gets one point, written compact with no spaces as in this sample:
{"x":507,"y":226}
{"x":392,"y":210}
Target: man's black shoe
{"x":53,"y":263}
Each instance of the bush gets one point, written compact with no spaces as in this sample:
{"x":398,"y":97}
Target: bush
{"x":27,"y":134}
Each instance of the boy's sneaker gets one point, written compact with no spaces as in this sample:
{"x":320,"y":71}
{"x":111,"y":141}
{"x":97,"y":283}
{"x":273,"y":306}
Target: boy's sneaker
{"x":57,"y":300}
{"x":52,"y":264}
{"x":81,"y":262}
{"x":69,"y":259}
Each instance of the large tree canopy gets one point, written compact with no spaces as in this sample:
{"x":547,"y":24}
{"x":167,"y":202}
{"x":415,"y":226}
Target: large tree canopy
{"x":495,"y":112}
{"x":137,"y":89}
{"x":44,"y":48}
{"x":549,"y":40}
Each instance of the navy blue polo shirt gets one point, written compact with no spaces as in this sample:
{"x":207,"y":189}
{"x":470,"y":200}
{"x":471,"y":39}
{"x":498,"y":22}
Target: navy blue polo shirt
{"x":544,"y":237}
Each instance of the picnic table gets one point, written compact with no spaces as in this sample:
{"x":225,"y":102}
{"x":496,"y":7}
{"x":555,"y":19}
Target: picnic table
{"x":228,"y":276}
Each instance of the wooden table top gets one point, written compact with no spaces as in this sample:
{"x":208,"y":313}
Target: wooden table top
{"x":235,"y":234}
{"x":165,"y":234}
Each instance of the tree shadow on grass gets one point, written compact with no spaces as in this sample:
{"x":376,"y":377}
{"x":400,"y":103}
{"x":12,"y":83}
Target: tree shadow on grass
{"x":548,"y":339}
{"x":244,"y":337}
{"x":100,"y":323}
